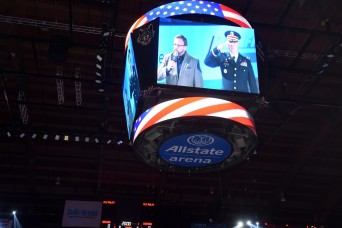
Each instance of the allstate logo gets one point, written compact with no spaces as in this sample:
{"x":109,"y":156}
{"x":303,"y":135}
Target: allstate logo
{"x":200,"y":140}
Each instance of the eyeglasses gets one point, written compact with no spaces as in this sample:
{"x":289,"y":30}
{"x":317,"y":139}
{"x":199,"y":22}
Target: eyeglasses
{"x":179,"y":45}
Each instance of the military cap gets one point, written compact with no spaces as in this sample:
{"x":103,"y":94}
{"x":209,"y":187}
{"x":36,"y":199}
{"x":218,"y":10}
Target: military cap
{"x":232,"y":35}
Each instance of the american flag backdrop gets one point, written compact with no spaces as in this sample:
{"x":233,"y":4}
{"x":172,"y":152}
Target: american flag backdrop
{"x":192,"y":106}
{"x":190,"y":7}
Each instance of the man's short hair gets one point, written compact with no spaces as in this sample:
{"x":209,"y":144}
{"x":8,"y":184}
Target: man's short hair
{"x":180,"y":36}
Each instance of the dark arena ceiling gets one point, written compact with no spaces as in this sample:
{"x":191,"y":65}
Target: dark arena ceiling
{"x":48,"y":52}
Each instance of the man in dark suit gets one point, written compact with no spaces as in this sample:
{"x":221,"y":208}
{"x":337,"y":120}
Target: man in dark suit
{"x":179,"y":67}
{"x":236,"y":69}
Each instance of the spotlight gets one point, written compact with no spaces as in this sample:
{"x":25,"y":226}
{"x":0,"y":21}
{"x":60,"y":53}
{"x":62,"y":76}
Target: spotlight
{"x":14,"y":212}
{"x":98,"y":66}
{"x":109,"y":141}
{"x":282,"y":197}
{"x":58,"y":181}
{"x":98,"y":57}
{"x":77,"y":138}
{"x":22,"y":135}
{"x":57,"y":137}
{"x":248,"y":223}
{"x":45,"y":136}
{"x":86,"y":139}
{"x":240,"y":224}
{"x":320,"y":71}
{"x":96,"y":140}
{"x":9,"y":134}
{"x":77,"y":72}
{"x":211,"y":190}
{"x":66,"y":137}
{"x":101,"y":90}
{"x":34,"y":135}
{"x":98,"y":79}
{"x":119,"y":142}
{"x":105,"y":34}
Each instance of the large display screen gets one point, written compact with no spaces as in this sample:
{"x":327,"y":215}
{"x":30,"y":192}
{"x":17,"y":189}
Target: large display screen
{"x":207,"y":71}
{"x":239,"y":75}
{"x":131,"y":89}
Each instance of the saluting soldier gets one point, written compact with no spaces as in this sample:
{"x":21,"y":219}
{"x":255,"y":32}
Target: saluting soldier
{"x":236,"y":69}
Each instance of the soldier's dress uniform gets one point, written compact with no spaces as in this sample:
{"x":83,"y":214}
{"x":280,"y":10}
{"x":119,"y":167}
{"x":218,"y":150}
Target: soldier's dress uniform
{"x":236,"y":75}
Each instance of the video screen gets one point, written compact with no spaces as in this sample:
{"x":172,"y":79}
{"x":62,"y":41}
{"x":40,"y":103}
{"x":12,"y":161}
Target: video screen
{"x":130,"y":88}
{"x":218,"y":57}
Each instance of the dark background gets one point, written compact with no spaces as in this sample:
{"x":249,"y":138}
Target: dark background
{"x":298,"y":121}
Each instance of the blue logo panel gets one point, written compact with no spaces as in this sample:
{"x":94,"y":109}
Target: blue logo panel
{"x":195,"y":150}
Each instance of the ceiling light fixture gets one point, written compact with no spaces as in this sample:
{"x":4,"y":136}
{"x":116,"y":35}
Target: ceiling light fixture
{"x":58,"y":181}
{"x":105,"y":34}
{"x":320,"y":71}
{"x":100,"y":89}
{"x":22,"y":107}
{"x":99,"y":57}
{"x":282,"y":197}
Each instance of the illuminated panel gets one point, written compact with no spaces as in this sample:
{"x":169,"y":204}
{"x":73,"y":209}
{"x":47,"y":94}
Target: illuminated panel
{"x":111,"y":202}
{"x":108,"y":213}
{"x":147,"y":214}
{"x":193,"y":107}
{"x":190,"y":7}
{"x":148,"y":204}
